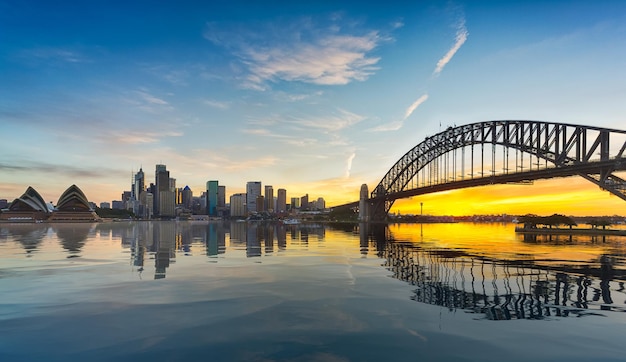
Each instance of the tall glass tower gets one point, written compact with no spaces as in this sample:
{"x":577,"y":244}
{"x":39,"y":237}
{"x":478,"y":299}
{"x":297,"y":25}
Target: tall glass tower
{"x":212,"y":188}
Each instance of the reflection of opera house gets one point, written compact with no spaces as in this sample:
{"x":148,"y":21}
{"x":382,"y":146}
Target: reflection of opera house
{"x":30,"y":207}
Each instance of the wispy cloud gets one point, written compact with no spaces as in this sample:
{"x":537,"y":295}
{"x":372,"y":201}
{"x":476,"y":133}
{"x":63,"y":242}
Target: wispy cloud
{"x":148,"y":102}
{"x":139,"y":137}
{"x":217,"y":104}
{"x":349,"y":164}
{"x":33,"y":167}
{"x":54,"y":54}
{"x":414,"y":105}
{"x":461,"y":37}
{"x":304,"y":52}
{"x":332,"y":123}
{"x":391,"y":126}
{"x":151,"y":99}
{"x":396,"y":125}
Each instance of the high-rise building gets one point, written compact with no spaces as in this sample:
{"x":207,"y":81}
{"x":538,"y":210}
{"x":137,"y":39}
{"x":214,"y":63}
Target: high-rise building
{"x":221,"y":196}
{"x":126,"y":199}
{"x":269,"y":198}
{"x":238,"y":205}
{"x":295,"y":203}
{"x":304,"y":202}
{"x":281,"y":201}
{"x":139,"y":184}
{"x":162,"y":181}
{"x":260,"y":203}
{"x":167,"y":204}
{"x":146,"y":207}
{"x":212,"y":189}
{"x":253,"y":190}
{"x":178,"y":196}
{"x":187,"y":198}
{"x":321,"y":203}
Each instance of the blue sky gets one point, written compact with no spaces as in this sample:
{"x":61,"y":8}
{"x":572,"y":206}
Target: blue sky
{"x":316,"y":98}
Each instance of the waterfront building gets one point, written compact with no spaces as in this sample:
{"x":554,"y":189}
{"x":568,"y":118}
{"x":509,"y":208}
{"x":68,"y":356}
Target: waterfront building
{"x":238,"y":205}
{"x":146,"y":205}
{"x":139,"y":184}
{"x":162,"y":183}
{"x":4,"y":203}
{"x":281,"y":201}
{"x":30,"y":207}
{"x":212,"y":189}
{"x":269,"y":198}
{"x":126,"y":199}
{"x":105,"y":205}
{"x":304,"y":202}
{"x":73,"y":206}
{"x":260,"y":203}
{"x":253,"y":190}
{"x":221,"y":196}
{"x":117,"y":205}
{"x":295,"y":203}
{"x":187,"y":198}
{"x":167,"y":204}
{"x":320,"y":204}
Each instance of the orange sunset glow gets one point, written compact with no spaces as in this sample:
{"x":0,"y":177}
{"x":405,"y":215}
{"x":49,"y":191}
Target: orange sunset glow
{"x":570,"y":196}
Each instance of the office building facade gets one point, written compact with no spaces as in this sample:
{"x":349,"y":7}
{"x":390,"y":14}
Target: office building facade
{"x":253,"y":190}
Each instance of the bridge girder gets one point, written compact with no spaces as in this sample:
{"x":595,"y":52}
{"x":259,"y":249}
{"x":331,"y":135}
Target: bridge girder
{"x":564,"y":149}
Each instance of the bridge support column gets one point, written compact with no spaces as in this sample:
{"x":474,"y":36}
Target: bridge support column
{"x":364,"y":205}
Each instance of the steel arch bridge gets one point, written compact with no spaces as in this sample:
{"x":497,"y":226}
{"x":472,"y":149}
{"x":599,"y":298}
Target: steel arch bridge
{"x":496,"y":152}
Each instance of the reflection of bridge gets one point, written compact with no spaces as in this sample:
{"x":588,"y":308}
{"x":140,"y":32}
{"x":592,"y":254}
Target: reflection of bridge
{"x":498,"y":152}
{"x":500,"y":288}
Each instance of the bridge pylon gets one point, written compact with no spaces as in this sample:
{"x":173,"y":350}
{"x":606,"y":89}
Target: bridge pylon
{"x":364,"y":205}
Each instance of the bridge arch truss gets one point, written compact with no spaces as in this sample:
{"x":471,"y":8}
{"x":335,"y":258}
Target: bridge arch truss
{"x":492,"y":152}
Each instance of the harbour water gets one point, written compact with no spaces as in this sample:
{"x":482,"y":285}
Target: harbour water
{"x":172,"y":291}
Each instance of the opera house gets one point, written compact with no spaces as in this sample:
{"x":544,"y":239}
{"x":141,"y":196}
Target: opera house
{"x":30,"y":207}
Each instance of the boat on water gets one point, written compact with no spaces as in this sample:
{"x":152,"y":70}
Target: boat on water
{"x":291,"y":221}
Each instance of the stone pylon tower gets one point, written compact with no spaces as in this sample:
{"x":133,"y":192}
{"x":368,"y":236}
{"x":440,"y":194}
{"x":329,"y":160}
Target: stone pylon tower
{"x":364,"y":205}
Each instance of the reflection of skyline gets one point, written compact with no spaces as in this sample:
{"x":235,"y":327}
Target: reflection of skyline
{"x":502,"y":289}
{"x":161,"y":240}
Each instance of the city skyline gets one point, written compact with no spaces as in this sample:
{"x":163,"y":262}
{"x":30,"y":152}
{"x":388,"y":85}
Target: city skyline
{"x":314,"y":98}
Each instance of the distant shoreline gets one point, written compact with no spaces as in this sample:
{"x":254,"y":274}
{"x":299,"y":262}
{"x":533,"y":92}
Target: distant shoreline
{"x":573,"y":231}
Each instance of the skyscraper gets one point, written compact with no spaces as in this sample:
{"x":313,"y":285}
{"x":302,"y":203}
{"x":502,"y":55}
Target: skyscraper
{"x":281,"y":201}
{"x":187,"y":198}
{"x":237,"y":205}
{"x":304,"y":202}
{"x":139,"y":184}
{"x":212,"y":188}
{"x":253,"y":190}
{"x":162,"y":180}
{"x":269,"y":198}
{"x":221,"y":196}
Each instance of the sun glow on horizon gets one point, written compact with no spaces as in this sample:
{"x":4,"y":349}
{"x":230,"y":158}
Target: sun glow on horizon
{"x":569,"y":196}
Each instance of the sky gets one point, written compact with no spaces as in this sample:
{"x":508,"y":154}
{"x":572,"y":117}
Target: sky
{"x":314,"y":97}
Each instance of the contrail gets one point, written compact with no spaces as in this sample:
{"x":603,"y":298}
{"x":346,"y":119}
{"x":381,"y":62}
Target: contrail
{"x":349,"y":164}
{"x":461,"y":37}
{"x":415,"y":104}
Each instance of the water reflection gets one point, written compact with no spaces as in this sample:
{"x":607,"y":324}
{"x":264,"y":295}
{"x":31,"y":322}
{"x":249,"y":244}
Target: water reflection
{"x":520,"y":278}
{"x":73,"y":236}
{"x":161,"y":241}
{"x":522,"y":288}
{"x":29,"y":236}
